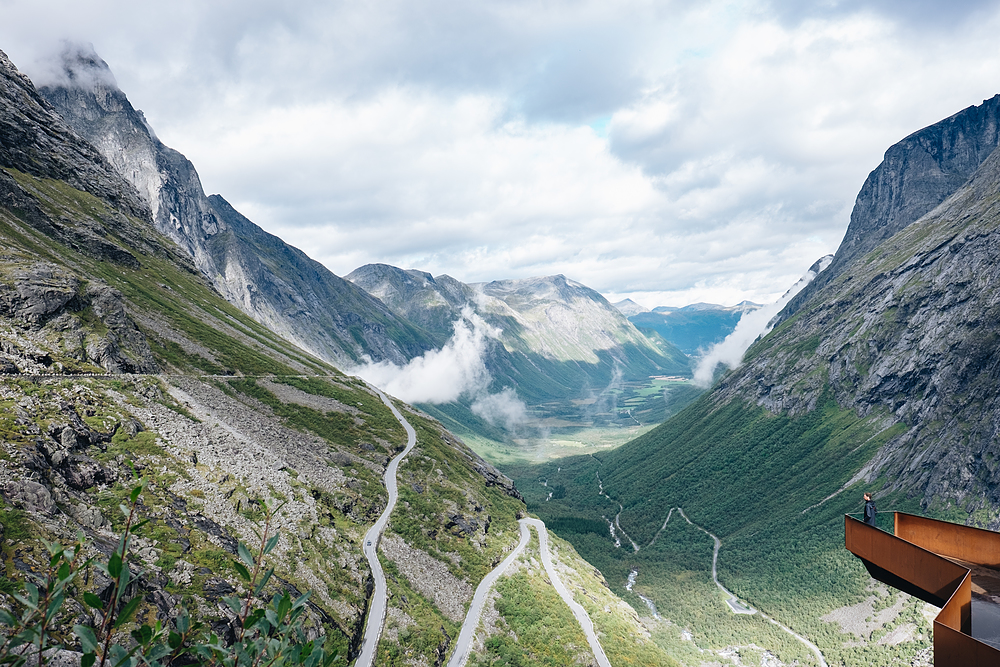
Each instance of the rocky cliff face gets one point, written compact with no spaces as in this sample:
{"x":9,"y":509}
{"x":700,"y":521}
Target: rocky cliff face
{"x":911,"y":331}
{"x":916,"y":175}
{"x":433,"y":303}
{"x":43,"y":306}
{"x":34,"y":140}
{"x":276,"y":284}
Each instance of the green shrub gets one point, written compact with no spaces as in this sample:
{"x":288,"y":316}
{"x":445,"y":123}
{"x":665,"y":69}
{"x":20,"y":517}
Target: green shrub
{"x":269,"y":635}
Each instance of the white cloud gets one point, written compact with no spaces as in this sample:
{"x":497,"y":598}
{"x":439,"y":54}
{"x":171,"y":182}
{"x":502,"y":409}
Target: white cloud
{"x":439,"y":376}
{"x":752,"y":325}
{"x":503,"y":408}
{"x":458,"y":369}
{"x":458,"y":138}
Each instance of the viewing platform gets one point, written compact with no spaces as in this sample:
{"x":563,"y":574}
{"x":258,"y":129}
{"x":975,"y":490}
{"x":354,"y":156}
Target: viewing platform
{"x":956,"y":568}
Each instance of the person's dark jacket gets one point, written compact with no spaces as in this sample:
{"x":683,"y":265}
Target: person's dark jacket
{"x":870,"y":512}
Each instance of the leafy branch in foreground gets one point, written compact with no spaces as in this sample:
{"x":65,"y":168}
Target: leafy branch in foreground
{"x":269,"y":636}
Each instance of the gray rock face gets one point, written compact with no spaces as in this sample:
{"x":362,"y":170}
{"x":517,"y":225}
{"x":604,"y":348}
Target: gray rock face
{"x":432,"y":303}
{"x":912,"y":332}
{"x":274,"y":283}
{"x":916,"y":175}
{"x":34,"y":140}
{"x":32,"y":496}
{"x":299,"y":298}
{"x":44,"y":297}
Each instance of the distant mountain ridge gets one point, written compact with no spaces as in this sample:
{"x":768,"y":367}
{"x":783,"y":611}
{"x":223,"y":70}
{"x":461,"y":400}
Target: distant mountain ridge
{"x":545,"y":320}
{"x":557,"y":352}
{"x":560,"y":341}
{"x":269,"y":280}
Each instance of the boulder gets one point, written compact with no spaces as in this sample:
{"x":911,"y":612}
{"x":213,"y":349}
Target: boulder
{"x":30,"y":495}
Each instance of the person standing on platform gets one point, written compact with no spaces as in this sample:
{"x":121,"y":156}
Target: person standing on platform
{"x":869,"y":510}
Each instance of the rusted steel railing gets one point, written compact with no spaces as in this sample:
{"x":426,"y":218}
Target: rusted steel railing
{"x":909,"y":561}
{"x":973,"y":545}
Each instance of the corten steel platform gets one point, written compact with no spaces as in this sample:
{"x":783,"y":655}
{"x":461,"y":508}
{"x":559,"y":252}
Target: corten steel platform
{"x":919,"y":560}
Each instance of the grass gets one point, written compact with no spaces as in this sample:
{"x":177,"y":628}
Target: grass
{"x":340,"y":428}
{"x":428,"y":499}
{"x":747,"y":475}
{"x":539,"y":628}
{"x":429,"y":636}
{"x":536,"y":627}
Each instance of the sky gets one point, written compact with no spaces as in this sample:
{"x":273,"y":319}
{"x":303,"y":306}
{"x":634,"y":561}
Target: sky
{"x":670,"y":152}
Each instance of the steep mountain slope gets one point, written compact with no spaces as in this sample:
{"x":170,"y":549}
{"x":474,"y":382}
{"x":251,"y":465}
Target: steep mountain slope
{"x":694,"y":327}
{"x":912,"y":332}
{"x":274,"y":283}
{"x":916,"y":174}
{"x":118,"y":359}
{"x":30,"y":132}
{"x":883,"y":379}
{"x":211,"y":439}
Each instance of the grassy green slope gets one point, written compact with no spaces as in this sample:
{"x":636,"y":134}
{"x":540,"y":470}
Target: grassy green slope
{"x":884,"y":380}
{"x":193,"y":332}
{"x":163,"y":285}
{"x":748,"y":476}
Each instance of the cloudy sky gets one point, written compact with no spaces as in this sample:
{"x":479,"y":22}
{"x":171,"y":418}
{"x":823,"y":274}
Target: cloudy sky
{"x":669,"y":151}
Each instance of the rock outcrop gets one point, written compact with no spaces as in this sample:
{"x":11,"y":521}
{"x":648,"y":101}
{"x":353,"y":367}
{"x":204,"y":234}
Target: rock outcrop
{"x":44,"y":305}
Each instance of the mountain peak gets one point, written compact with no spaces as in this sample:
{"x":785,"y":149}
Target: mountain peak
{"x":35,"y":140}
{"x":916,"y":175}
{"x":274,"y":283}
{"x":628,"y":307}
{"x":76,"y":66}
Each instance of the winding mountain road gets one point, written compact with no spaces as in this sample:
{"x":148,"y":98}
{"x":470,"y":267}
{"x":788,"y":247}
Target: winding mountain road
{"x":468,"y":631}
{"x":379,"y":601}
{"x":734,"y":603}
{"x":471,"y":623}
{"x":581,"y":614}
{"x":377,"y":609}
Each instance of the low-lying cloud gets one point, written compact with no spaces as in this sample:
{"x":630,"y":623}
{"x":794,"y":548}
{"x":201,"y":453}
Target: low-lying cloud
{"x":729,"y":352}
{"x":501,"y":409}
{"x":458,"y":369}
